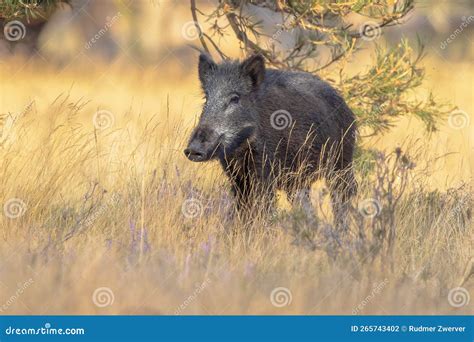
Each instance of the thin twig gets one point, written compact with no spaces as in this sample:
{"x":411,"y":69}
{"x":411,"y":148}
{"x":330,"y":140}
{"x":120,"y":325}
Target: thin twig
{"x":198,"y":27}
{"x":219,"y":51}
{"x":242,"y":36}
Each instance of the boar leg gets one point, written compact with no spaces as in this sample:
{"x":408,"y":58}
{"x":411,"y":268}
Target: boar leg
{"x":252,"y":196}
{"x":343,"y":186}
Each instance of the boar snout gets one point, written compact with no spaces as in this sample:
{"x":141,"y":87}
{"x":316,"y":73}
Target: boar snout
{"x":203,"y":145}
{"x":194,"y":155}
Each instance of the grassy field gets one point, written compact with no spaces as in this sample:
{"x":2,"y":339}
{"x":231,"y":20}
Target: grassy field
{"x":103,"y":214}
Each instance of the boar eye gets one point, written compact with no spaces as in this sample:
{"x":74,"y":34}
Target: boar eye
{"x":234,"y":99}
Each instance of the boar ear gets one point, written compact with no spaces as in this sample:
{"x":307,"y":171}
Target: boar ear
{"x":254,"y":67}
{"x":206,"y":66}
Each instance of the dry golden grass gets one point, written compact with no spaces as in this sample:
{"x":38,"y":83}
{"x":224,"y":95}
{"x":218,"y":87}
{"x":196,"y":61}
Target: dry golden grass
{"x":104,"y":208}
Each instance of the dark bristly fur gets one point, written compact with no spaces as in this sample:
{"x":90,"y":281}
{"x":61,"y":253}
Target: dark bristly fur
{"x":236,"y":128}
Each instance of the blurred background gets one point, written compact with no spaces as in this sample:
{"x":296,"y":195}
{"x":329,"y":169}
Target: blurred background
{"x":154,"y":32}
{"x":99,"y":98}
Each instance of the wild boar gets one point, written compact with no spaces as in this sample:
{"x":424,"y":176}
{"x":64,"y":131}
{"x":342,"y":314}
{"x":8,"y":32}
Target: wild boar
{"x":273,"y":129}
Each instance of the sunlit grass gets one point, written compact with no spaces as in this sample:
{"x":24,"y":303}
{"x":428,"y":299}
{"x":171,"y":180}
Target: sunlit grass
{"x":107,"y":208}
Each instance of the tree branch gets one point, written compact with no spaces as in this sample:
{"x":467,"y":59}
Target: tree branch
{"x":198,"y":27}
